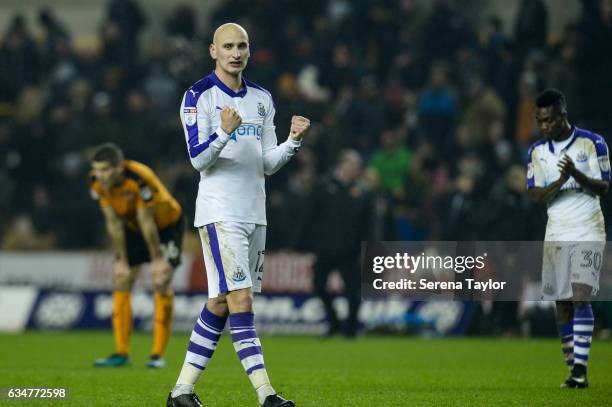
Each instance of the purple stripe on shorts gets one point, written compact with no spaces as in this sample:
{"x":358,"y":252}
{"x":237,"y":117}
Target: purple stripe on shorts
{"x":216,"y":252}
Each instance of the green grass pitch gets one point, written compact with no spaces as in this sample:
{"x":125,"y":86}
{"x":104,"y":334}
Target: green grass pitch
{"x":371,"y":371}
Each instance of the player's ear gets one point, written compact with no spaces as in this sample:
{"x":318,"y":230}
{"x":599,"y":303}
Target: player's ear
{"x":213,"y":51}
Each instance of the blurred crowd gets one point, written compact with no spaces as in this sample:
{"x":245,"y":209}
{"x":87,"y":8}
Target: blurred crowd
{"x":437,"y":101}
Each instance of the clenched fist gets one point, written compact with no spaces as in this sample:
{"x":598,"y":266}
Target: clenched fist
{"x":230,"y":119}
{"x":299,"y":126}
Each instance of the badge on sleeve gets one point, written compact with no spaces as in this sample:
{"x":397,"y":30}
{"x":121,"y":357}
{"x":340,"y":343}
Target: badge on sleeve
{"x":191,"y":115}
{"x":604,"y":163}
{"x":146,"y":193}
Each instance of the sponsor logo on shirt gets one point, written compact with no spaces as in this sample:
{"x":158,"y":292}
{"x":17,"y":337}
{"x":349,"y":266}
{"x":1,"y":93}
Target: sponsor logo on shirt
{"x":247,"y":130}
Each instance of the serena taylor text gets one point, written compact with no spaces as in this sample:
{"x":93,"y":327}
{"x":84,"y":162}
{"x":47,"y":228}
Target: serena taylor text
{"x":424,"y":284}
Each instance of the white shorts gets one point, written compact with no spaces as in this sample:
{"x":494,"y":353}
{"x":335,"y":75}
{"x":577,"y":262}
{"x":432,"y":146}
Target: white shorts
{"x":233,"y":256}
{"x":565,"y":263}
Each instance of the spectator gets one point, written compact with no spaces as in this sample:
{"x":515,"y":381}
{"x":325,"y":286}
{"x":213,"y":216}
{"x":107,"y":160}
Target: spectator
{"x":484,"y":107}
{"x":56,"y":36}
{"x":392,"y":163}
{"x":19,"y":60}
{"x":437,"y":107}
{"x":337,"y":201}
{"x":531,"y":26}
{"x":182,"y":22}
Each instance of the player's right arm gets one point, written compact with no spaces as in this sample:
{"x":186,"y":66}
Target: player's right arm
{"x":204,"y":149}
{"x":116,"y":231}
{"x":543,"y":195}
{"x":537,"y":190}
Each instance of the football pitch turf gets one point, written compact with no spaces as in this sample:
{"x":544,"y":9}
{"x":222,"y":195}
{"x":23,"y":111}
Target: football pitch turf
{"x":370,"y":371}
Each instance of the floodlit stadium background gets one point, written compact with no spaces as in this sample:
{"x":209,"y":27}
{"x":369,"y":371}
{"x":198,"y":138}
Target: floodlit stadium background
{"x":436,"y":96}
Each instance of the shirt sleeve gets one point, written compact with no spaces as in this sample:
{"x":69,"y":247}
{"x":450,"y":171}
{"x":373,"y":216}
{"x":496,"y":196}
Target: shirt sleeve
{"x":204,"y":149}
{"x":275,"y":156}
{"x":599,"y":161}
{"x":536,"y":177}
{"x":97,"y":195}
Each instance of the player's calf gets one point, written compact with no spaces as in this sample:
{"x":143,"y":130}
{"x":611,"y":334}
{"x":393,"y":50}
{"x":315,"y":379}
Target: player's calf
{"x":248,"y":349}
{"x":202,"y":344}
{"x":162,"y":326}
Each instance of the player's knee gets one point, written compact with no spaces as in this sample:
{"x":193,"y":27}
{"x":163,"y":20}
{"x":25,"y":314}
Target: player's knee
{"x":565,"y":311}
{"x":122,"y":281}
{"x":122,"y":284}
{"x":161,"y":287}
{"x":240,"y":300}
{"x":582,"y":294}
{"x":218,"y":306}
{"x":161,"y":281}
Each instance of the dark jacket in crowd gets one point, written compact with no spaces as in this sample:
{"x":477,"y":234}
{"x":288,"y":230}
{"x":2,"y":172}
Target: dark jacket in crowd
{"x":341,"y":215}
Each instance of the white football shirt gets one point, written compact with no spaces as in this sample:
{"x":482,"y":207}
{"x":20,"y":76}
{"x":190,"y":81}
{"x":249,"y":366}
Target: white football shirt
{"x":232,"y":166}
{"x":575,"y":214}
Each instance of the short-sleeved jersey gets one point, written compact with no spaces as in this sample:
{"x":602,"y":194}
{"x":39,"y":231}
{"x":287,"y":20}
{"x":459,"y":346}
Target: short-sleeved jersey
{"x":140,"y":187}
{"x":575,"y":214}
{"x":232,"y":166}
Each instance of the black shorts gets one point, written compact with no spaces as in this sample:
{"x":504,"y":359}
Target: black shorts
{"x":170,"y":238}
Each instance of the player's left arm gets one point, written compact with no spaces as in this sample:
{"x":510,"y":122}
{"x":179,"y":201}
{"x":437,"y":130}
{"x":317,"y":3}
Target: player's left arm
{"x":275,"y":156}
{"x":160,"y":267}
{"x":148,"y":228}
{"x":599,"y":163}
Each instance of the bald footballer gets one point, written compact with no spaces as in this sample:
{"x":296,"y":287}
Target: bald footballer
{"x":231,"y":140}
